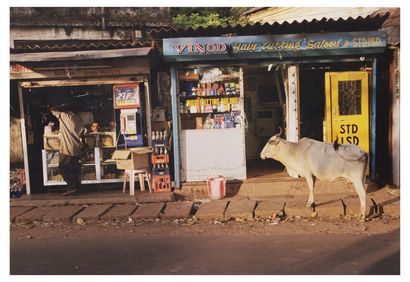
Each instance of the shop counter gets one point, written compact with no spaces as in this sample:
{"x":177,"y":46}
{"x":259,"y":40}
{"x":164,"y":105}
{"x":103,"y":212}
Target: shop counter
{"x":210,"y":152}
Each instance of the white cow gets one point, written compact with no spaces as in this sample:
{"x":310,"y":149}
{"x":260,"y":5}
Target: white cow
{"x":313,"y":159}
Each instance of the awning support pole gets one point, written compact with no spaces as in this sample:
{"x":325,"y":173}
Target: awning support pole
{"x":148,"y":112}
{"x":175,"y":127}
{"x":293,"y":113}
{"x":24,"y":139}
{"x":373,"y":173}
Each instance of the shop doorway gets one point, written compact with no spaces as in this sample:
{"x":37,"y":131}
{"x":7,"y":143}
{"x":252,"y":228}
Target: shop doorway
{"x":312,"y":101}
{"x":264,"y":104}
{"x":347,"y":108}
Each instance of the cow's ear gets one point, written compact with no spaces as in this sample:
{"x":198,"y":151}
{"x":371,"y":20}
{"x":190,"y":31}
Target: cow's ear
{"x":273,"y":141}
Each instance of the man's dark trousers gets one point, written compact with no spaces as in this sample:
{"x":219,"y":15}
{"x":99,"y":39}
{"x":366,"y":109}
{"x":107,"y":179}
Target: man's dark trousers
{"x":70,"y":170}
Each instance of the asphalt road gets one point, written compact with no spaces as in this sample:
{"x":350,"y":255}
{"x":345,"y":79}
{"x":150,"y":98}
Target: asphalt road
{"x":116,"y":251}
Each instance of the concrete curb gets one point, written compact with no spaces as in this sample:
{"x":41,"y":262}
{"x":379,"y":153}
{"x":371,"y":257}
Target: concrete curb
{"x":327,"y":205}
{"x":177,"y":210}
{"x":17,"y":211}
{"x":92,"y":213}
{"x":268,"y":208}
{"x":240,"y":209}
{"x":148,"y":211}
{"x":118,"y":213}
{"x":62,"y":214}
{"x":212,"y":210}
{"x":35,"y":214}
{"x":138,"y":198}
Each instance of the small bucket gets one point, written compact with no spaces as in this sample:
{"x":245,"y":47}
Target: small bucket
{"x":216,"y":187}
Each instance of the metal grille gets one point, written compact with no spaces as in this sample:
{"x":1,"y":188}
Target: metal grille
{"x":350,"y":96}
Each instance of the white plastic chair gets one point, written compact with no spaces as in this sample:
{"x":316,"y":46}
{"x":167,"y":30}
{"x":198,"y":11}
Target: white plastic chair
{"x":143,"y":175}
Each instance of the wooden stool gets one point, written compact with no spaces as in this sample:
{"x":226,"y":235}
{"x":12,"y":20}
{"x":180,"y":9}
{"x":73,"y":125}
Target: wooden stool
{"x":142,"y":174}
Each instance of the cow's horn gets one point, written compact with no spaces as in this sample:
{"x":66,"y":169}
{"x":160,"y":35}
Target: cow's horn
{"x":280,"y":132}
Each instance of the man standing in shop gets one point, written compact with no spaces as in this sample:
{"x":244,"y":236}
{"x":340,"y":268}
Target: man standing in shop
{"x":72,"y":132}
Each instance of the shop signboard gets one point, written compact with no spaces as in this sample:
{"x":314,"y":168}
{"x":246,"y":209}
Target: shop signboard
{"x":74,"y":70}
{"x":274,"y":46}
{"x":126,"y":96}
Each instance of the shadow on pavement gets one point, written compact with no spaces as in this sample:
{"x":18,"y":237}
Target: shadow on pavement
{"x":387,"y":265}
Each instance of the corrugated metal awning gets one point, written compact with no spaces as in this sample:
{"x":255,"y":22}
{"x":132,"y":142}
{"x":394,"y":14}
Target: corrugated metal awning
{"x":373,"y":22}
{"x":79,"y":55}
{"x":22,"y":46}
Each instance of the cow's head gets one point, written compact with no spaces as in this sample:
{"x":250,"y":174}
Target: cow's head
{"x":271,"y":148}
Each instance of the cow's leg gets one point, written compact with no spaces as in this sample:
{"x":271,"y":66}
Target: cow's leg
{"x":310,"y":179}
{"x":359,"y":186}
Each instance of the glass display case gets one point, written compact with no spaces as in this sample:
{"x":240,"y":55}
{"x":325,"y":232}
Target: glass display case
{"x":96,"y":163}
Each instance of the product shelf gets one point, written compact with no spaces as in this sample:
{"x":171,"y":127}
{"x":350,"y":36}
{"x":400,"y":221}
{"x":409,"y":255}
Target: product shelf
{"x":208,"y":96}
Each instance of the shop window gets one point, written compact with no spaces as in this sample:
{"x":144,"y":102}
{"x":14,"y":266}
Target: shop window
{"x":210,"y":98}
{"x":350,"y":95}
{"x":266,"y":93}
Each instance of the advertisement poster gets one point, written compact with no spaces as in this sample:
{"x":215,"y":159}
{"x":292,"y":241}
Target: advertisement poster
{"x":126,"y":96}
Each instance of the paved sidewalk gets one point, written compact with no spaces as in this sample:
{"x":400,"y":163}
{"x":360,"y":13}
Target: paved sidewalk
{"x":382,"y":202}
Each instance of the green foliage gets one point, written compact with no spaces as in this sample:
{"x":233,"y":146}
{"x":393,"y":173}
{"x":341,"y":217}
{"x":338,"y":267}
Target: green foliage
{"x":196,"y":17}
{"x":195,"y":21}
{"x":202,"y":11}
{"x":235,"y":16}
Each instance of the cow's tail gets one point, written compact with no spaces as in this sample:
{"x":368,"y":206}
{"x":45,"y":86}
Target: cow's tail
{"x":335,"y":145}
{"x":366,"y":156}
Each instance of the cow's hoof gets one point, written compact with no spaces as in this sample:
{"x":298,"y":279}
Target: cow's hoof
{"x":363,"y":219}
{"x":310,"y":205}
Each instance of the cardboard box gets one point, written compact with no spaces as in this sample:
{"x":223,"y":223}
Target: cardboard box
{"x":132,"y":158}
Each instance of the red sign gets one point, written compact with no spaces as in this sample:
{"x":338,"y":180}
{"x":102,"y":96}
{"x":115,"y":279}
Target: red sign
{"x":126,"y":96}
{"x":16,"y":68}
